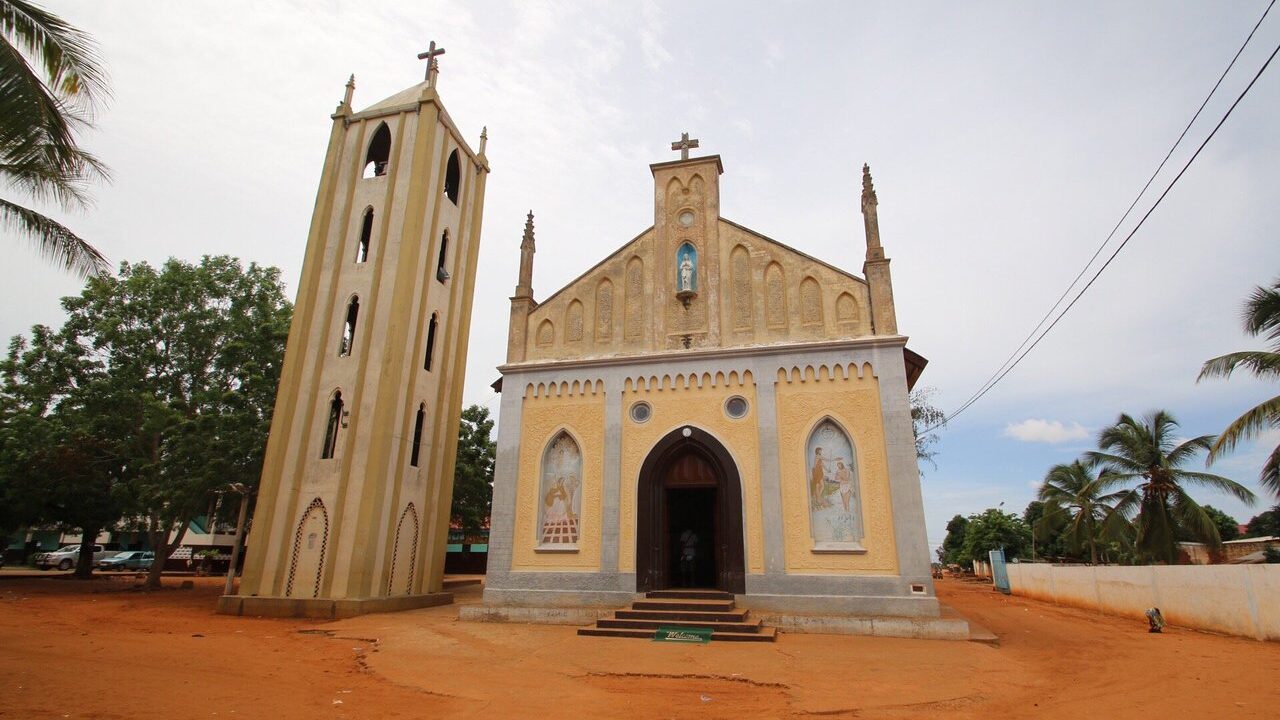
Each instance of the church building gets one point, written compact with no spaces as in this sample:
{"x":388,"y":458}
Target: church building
{"x":708,"y":407}
{"x":353,"y":509}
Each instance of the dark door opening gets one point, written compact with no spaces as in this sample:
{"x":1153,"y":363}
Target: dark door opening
{"x":691,"y":531}
{"x":689,"y":482}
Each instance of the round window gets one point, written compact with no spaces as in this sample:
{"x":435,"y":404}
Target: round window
{"x":735,"y":407}
{"x":640,"y":412}
{"x":685,"y":218}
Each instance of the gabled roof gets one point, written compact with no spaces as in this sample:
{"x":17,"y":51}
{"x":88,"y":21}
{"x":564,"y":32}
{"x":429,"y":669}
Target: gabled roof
{"x":404,"y":97}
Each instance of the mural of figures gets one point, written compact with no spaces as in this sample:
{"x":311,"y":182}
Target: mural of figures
{"x":832,"y":473}
{"x":560,"y":493}
{"x":686,"y":269}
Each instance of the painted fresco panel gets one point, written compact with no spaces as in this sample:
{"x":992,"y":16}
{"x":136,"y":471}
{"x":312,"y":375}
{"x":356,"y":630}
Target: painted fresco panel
{"x":560,"y":493}
{"x":832,"y":473}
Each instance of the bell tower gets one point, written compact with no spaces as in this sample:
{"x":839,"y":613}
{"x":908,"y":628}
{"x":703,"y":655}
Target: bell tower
{"x":353,"y":508}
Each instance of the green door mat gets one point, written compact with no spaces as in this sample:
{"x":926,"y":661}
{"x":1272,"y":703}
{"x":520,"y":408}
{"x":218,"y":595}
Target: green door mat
{"x":683,"y":634}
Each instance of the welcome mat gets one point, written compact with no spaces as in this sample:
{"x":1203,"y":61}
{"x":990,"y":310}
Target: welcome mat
{"x":683,"y":634}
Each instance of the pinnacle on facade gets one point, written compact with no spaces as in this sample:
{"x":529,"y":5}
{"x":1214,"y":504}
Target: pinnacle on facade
{"x":868,"y":190}
{"x":527,"y":242}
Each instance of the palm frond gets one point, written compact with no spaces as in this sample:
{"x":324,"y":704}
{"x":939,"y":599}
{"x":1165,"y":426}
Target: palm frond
{"x":1219,"y":483}
{"x":1262,"y":312}
{"x":53,"y":240}
{"x":1247,"y":426}
{"x":1187,"y":450}
{"x":1262,"y":364}
{"x":1269,"y":478}
{"x":1191,"y":517}
{"x":68,"y":56}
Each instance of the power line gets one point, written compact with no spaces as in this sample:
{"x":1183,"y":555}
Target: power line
{"x":982,"y":389}
{"x":1000,"y":374}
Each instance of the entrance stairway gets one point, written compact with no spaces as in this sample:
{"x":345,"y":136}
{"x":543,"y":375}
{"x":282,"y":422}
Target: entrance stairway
{"x":684,"y":609}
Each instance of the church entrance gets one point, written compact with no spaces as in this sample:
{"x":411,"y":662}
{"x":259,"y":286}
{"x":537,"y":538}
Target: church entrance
{"x":689,"y":519}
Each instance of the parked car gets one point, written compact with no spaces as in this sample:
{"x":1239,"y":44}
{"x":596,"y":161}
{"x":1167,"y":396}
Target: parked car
{"x":65,"y":557}
{"x":129,"y":560}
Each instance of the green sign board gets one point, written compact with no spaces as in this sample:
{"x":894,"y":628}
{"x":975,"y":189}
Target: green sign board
{"x":683,"y":634}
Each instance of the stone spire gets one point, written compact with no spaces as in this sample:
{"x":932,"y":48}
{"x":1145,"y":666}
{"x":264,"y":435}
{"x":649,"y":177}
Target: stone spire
{"x":484,"y":138}
{"x":345,"y":105}
{"x":870,"y":221}
{"x":524,"y":288}
{"x":884,"y":318}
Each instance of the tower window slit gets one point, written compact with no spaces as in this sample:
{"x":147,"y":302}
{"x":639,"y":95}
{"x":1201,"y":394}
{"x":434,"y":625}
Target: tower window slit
{"x":366,"y":232}
{"x":349,"y":329}
{"x":417,"y":435}
{"x":331,"y":428}
{"x":431,"y":342}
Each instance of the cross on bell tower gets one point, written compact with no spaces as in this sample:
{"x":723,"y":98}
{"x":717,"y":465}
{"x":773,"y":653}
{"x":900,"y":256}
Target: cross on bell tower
{"x":684,"y":144}
{"x":433,"y":65}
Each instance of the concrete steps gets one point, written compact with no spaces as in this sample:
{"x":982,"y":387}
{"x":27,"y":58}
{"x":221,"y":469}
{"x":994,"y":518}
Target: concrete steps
{"x":711,"y":609}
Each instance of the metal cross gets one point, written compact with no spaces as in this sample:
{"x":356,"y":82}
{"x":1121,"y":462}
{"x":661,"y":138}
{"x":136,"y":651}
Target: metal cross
{"x":430,"y":57}
{"x":683,"y":145}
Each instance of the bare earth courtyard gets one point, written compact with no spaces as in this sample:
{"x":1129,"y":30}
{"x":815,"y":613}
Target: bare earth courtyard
{"x":100,"y":650}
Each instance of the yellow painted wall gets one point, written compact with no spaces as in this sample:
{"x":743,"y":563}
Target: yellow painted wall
{"x":803,"y":401}
{"x":703,"y":407}
{"x":545,"y":413}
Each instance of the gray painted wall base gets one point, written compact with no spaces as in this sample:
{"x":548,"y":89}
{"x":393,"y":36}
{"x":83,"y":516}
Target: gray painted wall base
{"x":933,"y":628}
{"x":540,"y":615}
{"x":268,"y":606}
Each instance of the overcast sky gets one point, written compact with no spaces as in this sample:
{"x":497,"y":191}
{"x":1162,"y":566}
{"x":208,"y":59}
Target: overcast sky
{"x":1006,"y":139}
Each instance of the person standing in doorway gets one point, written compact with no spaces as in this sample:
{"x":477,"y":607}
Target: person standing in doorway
{"x":688,"y":557}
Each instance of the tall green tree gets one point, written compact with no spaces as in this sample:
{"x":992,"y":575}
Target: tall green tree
{"x":1145,"y":451}
{"x":473,"y":473}
{"x":954,"y":541}
{"x":1264,"y":524}
{"x":994,"y":529}
{"x":1076,"y":503}
{"x":1228,"y":527}
{"x":177,"y":369}
{"x":1046,"y":530}
{"x":1261,"y":317}
{"x":50,"y":84}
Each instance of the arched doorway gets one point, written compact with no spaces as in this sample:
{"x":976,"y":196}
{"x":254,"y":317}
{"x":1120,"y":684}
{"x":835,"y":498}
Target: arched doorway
{"x":689,"y":482}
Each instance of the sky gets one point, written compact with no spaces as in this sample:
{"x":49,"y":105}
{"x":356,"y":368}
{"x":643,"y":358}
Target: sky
{"x":1006,"y":140}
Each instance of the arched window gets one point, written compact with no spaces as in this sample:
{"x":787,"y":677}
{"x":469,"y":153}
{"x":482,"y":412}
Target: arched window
{"x":366,"y":232}
{"x":831,"y":468}
{"x":441,"y":273}
{"x":452,"y":178}
{"x":560,"y":499}
{"x":331,"y":428}
{"x":431,"y":342}
{"x":349,"y":329}
{"x":375,"y":161}
{"x":417,"y":435}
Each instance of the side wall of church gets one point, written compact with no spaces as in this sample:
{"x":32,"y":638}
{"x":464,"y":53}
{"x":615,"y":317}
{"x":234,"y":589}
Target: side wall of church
{"x":850,"y":396}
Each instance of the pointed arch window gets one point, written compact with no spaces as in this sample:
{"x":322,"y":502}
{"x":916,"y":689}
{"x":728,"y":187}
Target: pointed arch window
{"x":331,"y":427}
{"x":366,"y":233}
{"x":417,"y":435}
{"x":376,"y":159}
{"x":349,"y":328}
{"x":835,"y":498}
{"x":452,"y":178}
{"x":441,"y":273}
{"x":431,"y":342}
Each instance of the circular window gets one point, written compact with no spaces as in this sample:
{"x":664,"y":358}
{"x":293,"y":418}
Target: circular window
{"x":686,"y":218}
{"x":640,"y":412}
{"x":735,"y":407}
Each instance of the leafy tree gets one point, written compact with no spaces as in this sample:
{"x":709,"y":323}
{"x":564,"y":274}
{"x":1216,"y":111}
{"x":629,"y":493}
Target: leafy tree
{"x":1046,"y":531}
{"x":178,"y":370}
{"x":1076,"y":505}
{"x":994,"y":529}
{"x":1144,"y":451}
{"x":1228,"y":527}
{"x":954,"y":541}
{"x":1261,"y":317}
{"x":50,"y":84}
{"x":925,"y":417}
{"x":473,"y":473}
{"x":1264,"y":524}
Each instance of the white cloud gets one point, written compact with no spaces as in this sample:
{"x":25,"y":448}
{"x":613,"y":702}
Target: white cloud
{"x":1046,"y":431}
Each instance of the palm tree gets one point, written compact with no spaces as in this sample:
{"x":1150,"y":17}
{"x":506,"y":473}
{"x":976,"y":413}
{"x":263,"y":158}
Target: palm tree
{"x":1144,"y":450}
{"x":1073,"y":494}
{"x":1261,"y":317}
{"x":40,"y":112}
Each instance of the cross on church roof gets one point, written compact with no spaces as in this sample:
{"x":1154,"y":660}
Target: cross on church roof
{"x":684,"y":144}
{"x":430,"y":57}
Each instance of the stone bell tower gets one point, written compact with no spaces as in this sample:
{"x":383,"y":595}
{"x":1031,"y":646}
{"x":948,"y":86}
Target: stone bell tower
{"x":353,"y":509}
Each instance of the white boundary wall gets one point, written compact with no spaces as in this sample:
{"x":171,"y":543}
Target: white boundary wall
{"x":1234,"y":599}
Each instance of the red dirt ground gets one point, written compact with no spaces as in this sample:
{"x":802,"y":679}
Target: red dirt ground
{"x":100,"y":649}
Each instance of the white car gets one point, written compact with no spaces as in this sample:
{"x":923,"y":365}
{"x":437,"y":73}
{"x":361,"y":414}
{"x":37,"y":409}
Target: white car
{"x":65,"y":557}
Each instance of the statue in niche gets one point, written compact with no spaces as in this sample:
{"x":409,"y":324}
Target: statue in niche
{"x":834,"y":513}
{"x":686,"y":272}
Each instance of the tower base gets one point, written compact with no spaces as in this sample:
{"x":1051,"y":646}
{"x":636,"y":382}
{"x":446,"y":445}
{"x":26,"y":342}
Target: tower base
{"x":329,"y":608}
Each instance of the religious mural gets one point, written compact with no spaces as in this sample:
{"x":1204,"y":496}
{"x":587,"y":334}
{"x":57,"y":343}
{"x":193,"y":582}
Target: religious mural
{"x":561,"y":499}
{"x":686,"y":268}
{"x":834,"y":516}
